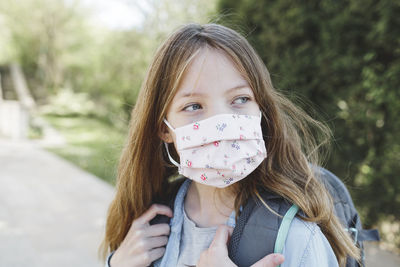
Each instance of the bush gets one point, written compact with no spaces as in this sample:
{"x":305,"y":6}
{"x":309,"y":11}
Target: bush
{"x":344,"y":57}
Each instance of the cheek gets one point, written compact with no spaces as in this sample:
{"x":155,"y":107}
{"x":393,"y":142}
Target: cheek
{"x":252,"y":109}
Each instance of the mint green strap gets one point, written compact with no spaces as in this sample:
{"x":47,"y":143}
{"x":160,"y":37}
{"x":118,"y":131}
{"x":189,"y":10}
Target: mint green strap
{"x":284,"y":228}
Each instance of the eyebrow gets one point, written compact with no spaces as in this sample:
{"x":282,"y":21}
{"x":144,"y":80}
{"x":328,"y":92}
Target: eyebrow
{"x":237,"y":87}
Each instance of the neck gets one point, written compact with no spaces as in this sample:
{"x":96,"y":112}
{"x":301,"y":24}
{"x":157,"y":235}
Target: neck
{"x":208,"y":206}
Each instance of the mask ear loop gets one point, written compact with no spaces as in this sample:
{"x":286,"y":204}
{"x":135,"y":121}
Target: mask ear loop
{"x":169,"y":125}
{"x":260,"y":116}
{"x":170,"y":158}
{"x":166,"y":146}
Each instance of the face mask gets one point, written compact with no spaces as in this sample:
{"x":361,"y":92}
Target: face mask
{"x":219,"y":150}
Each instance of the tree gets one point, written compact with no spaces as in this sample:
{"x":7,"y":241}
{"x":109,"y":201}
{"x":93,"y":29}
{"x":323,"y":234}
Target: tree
{"x":59,"y":49}
{"x":342,"y":56}
{"x":47,"y":37}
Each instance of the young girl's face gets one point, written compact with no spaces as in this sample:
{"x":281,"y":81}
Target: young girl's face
{"x":211,"y":85}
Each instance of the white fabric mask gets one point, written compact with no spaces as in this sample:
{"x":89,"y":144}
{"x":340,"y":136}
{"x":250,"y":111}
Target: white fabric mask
{"x":220,"y":150}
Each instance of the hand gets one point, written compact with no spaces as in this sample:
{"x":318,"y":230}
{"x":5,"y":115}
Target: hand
{"x":144,"y":243}
{"x":217,"y":253}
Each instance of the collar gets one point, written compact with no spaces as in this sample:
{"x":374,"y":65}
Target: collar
{"x":171,"y":254}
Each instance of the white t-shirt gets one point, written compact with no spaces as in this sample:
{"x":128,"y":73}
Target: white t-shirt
{"x":194,"y":241}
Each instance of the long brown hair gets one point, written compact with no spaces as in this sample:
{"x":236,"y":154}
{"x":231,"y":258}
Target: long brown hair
{"x":293,"y":140}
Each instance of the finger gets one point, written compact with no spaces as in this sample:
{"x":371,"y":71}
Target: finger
{"x":221,"y":236}
{"x":145,"y":245}
{"x":157,"y":230}
{"x":155,"y":242}
{"x":203,"y":259}
{"x":271,"y":260}
{"x":152,"y":212}
{"x":153,"y":255}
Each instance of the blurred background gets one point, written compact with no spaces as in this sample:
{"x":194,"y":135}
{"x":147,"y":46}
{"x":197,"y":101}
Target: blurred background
{"x":70,"y":72}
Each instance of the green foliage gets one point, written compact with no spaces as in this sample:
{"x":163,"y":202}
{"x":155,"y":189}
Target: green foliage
{"x":68,"y":103}
{"x":92,"y":144}
{"x":58,"y":47}
{"x":46,"y":36}
{"x":343,"y":56}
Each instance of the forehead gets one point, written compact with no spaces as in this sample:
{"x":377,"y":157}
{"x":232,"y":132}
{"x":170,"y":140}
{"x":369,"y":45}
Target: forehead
{"x":209,"y":72}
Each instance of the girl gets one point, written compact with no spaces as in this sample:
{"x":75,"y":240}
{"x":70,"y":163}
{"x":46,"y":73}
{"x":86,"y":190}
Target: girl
{"x":208,"y":107}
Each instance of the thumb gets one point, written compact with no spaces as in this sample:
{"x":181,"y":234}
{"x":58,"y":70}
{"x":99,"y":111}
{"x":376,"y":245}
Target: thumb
{"x":271,"y":260}
{"x":221,"y":236}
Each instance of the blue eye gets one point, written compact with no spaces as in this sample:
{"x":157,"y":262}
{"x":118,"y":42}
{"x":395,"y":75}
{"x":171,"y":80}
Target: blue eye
{"x":241,"y":100}
{"x":192,"y":107}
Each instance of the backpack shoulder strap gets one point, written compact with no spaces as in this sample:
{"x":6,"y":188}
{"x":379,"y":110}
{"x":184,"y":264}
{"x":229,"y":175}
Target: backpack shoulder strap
{"x":284,"y":228}
{"x":168,"y":200}
{"x":256,"y":229}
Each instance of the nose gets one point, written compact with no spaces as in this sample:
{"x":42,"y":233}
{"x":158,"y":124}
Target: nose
{"x":218,"y":107}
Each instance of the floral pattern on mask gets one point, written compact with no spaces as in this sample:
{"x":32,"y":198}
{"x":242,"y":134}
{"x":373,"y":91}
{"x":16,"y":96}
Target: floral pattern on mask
{"x":220,"y":127}
{"x":236,"y":145}
{"x":221,"y":149}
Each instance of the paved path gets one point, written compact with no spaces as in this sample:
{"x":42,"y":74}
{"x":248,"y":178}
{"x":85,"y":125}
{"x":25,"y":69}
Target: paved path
{"x":376,"y":257}
{"x":51,"y":212}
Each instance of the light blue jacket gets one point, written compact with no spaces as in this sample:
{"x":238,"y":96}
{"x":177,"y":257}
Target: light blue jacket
{"x":305,"y":246}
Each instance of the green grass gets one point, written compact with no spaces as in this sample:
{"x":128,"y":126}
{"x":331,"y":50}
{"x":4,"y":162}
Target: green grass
{"x":92,"y":144}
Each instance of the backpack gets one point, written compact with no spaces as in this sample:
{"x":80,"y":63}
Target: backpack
{"x":347,"y":213}
{"x":259,"y":232}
